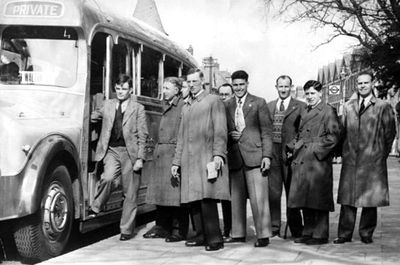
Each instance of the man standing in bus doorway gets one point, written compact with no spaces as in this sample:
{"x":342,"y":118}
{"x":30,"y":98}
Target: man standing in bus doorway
{"x":199,"y":161}
{"x":172,"y":221}
{"x":121,"y":147}
{"x":369,"y":130}
{"x":285,"y":115}
{"x":249,"y":153}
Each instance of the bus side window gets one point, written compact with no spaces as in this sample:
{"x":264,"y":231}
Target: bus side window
{"x":150,"y":73}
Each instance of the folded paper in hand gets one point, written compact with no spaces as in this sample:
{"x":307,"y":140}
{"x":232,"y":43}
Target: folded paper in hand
{"x":212,"y":173}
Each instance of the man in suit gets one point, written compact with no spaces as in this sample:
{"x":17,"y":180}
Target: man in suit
{"x":249,"y":158}
{"x":121,"y":147}
{"x":285,"y":115}
{"x":200,"y":152}
{"x":369,"y":131}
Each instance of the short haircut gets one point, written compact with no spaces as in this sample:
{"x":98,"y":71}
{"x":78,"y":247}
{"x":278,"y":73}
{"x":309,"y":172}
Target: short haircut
{"x":226,"y":84}
{"x":312,"y":83}
{"x":240,"y":75}
{"x":122,"y":79}
{"x":366,"y":73}
{"x":176,"y":81}
{"x":195,"y":70}
{"x":284,"y":77}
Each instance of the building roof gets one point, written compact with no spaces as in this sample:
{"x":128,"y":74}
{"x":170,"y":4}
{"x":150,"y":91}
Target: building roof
{"x":146,"y":11}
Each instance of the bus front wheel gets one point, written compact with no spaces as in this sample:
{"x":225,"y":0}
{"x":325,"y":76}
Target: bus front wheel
{"x":46,"y":233}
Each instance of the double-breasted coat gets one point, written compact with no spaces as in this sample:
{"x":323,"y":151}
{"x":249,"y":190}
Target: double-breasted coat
{"x":202,"y":135}
{"x":159,"y":188}
{"x":312,"y":181}
{"x":368,"y":138}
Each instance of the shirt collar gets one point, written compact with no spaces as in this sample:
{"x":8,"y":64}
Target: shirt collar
{"x":286,"y":102}
{"x":367,"y":99}
{"x":243,"y":99}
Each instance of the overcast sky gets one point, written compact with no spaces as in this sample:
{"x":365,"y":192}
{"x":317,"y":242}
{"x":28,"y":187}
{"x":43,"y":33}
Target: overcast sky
{"x":242,"y":35}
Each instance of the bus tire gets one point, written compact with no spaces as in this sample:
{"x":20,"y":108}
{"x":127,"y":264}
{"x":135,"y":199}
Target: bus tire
{"x":45,"y":234}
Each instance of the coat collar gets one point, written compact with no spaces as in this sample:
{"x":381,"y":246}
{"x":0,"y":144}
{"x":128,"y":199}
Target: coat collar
{"x":308,"y":115}
{"x":174,"y":102}
{"x":293,"y":105}
{"x":353,"y":102}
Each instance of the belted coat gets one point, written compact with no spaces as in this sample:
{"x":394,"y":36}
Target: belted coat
{"x":368,"y":138}
{"x":312,"y":180}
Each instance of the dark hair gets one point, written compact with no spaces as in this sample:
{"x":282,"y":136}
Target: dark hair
{"x":284,"y":77}
{"x":366,"y":73}
{"x":195,"y":70}
{"x":226,"y":84}
{"x":240,"y":75}
{"x":176,"y":81}
{"x":312,"y":83}
{"x":123,"y":78}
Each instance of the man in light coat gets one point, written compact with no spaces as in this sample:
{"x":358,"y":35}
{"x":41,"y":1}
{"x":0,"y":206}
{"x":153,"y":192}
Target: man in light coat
{"x":249,"y":152}
{"x":201,"y":152}
{"x":285,"y":115}
{"x":121,"y":147}
{"x":369,"y":130}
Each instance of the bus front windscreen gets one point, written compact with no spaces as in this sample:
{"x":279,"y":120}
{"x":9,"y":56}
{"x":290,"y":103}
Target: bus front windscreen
{"x":38,"y":55}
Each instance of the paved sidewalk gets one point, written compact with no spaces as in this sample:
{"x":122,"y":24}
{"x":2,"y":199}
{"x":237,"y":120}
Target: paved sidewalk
{"x":384,"y":250}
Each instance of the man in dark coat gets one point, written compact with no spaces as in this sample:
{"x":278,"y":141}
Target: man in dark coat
{"x":249,"y":153}
{"x":199,"y":161}
{"x":285,"y":115}
{"x":312,"y":153}
{"x":369,"y":131}
{"x":171,"y":220}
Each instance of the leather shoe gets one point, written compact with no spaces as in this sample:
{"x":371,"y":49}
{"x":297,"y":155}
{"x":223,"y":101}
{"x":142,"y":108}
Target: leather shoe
{"x":366,"y":239}
{"x":341,"y":240}
{"x":125,"y":237}
{"x":194,"y":243}
{"x":214,"y":246}
{"x":276,"y":233}
{"x":174,"y":238}
{"x":234,"y":239}
{"x":317,"y":241}
{"x":302,"y":240}
{"x":91,"y":213}
{"x":261,"y":242}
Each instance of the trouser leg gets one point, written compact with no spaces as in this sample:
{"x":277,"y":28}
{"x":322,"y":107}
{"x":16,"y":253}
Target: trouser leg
{"x":130,"y":187}
{"x":165,"y":218}
{"x":210,"y":220}
{"x":347,"y":221}
{"x":275,"y":193}
{"x":293,"y":215}
{"x":257,"y":186}
{"x":195,"y":213}
{"x":238,"y":201}
{"x":368,"y":221}
{"x":180,"y":221}
{"x":227,"y":216}
{"x":112,"y":170}
{"x":308,"y":222}
{"x":321,"y":224}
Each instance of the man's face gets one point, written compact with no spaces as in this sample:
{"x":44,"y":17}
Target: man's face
{"x":169,"y":91}
{"x":185,"y":89}
{"x":195,"y":83}
{"x":225,"y":93}
{"x":123,"y":91}
{"x":313,"y":96}
{"x":240,"y":87}
{"x":283,"y":86}
{"x":364,"y":85}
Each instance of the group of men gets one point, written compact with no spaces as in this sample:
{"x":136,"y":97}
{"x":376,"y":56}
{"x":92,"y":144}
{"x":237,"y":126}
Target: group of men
{"x":237,"y":147}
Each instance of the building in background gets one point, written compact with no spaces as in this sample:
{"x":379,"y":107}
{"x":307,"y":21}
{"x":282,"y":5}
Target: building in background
{"x":213,"y":76}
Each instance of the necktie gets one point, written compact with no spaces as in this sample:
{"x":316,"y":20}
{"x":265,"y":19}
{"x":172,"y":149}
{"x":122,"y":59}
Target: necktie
{"x":282,"y":107}
{"x":239,"y":117}
{"x":362,"y":106}
{"x":309,"y":108}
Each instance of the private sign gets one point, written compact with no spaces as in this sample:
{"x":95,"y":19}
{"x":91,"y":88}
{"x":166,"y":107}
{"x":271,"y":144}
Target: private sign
{"x":34,"y":9}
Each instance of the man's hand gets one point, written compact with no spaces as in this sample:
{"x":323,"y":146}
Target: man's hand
{"x":265,"y":165}
{"x":175,"y":171}
{"x":235,"y":135}
{"x":175,"y":176}
{"x":138,"y":165}
{"x":219,"y":162}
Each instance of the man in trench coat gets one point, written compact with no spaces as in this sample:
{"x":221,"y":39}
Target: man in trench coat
{"x":369,"y":131}
{"x":200,"y":151}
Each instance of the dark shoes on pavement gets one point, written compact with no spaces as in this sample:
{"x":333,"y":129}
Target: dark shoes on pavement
{"x":276,"y":233}
{"x":341,"y":240}
{"x":366,"y":239}
{"x":174,"y":238}
{"x":194,"y":243}
{"x":261,"y":242}
{"x":91,"y":213}
{"x":317,"y":241}
{"x":302,"y":240}
{"x":234,"y":239}
{"x":156,"y":232}
{"x":214,"y":246}
{"x":125,"y":237}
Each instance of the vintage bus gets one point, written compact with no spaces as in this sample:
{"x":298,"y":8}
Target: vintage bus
{"x":59,"y":61}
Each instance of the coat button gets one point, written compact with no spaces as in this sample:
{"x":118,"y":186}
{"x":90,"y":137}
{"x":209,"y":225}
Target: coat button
{"x":302,"y":162}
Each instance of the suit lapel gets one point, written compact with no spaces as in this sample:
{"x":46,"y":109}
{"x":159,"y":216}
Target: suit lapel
{"x":292,"y":107}
{"x":128,"y":111}
{"x":110,"y":111}
{"x":247,"y":105}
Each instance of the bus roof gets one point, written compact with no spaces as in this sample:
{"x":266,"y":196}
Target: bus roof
{"x":89,"y":16}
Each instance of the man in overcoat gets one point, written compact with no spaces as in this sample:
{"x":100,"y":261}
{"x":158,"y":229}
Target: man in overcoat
{"x":121,"y":147}
{"x":199,"y":160}
{"x":311,"y":152}
{"x":172,"y":221}
{"x":249,"y":153}
{"x":285,"y":115}
{"x":369,"y":130}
